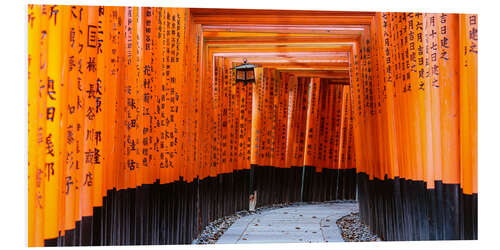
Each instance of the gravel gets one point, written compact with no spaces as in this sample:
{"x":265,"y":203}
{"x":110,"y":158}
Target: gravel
{"x":217,"y":228}
{"x":353,"y":230}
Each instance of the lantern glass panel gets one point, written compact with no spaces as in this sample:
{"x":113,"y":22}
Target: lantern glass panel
{"x":250,"y":75}
{"x":240,"y":75}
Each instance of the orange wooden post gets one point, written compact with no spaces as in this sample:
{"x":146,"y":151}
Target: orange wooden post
{"x":96,"y":84}
{"x":191,"y":44}
{"x":468,"y":103}
{"x":327,"y":136}
{"x":53,"y":160}
{"x":371,"y":79}
{"x":66,"y":189}
{"x":157,"y":92}
{"x":378,"y":76}
{"x":248,"y":125}
{"x":449,"y":86}
{"x":417,"y":91}
{"x":264,"y":135}
{"x":345,"y":129}
{"x":306,"y":84}
{"x":224,"y":116}
{"x":351,"y":157}
{"x":62,"y":100}
{"x":389,"y":72}
{"x":468,"y":124}
{"x":401,"y":102}
{"x":414,"y":27}
{"x":336,"y":120}
{"x":379,"y":97}
{"x":340,"y":137}
{"x":33,"y":78}
{"x":318,"y":145}
{"x":311,"y":130}
{"x":426,"y":103}
{"x":147,"y":85}
{"x":112,"y":85}
{"x":292,"y":85}
{"x":294,"y":125}
{"x":234,"y":94}
{"x":294,"y":132}
{"x":88,"y":66}
{"x":276,"y":118}
{"x":42,"y":132}
{"x":166,"y":171}
{"x":370,"y":126}
{"x":238,"y":93}
{"x":361,"y":112}
{"x":131,"y":140}
{"x":325,"y":108}
{"x":317,"y":127}
{"x":264,"y":121}
{"x":36,"y":112}
{"x":79,"y":101}
{"x":393,"y":102}
{"x":367,"y":126}
{"x":405,"y":101}
{"x":178,"y":56}
{"x":357,"y":109}
{"x":449,"y":96}
{"x":217,"y":148}
{"x":284,"y":81}
{"x":331,"y":125}
{"x":256,"y":114}
{"x":141,"y":148}
{"x":272,"y":119}
{"x":207,"y":104}
{"x":434,"y":96}
{"x":122,"y":101}
{"x":390,"y":87}
{"x":199,"y":99}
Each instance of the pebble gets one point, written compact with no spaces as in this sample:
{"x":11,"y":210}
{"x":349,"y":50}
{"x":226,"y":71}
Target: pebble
{"x":353,"y":230}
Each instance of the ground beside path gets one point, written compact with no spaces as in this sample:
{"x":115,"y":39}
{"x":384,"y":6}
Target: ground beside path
{"x":297,"y":223}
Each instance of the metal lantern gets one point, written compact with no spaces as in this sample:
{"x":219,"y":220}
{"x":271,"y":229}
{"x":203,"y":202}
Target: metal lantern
{"x":245,"y":72}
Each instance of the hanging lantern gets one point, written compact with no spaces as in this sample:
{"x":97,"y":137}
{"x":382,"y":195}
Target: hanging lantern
{"x":245,"y":72}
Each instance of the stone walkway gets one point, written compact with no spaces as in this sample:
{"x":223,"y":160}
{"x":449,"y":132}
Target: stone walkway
{"x":294,"y":224}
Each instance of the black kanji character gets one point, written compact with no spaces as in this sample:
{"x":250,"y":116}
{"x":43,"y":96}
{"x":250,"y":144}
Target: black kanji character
{"x":69,"y":182}
{"x":92,"y":36}
{"x":69,"y":137}
{"x":53,"y":11}
{"x":50,"y":88}
{"x":90,"y":114}
{"x":50,"y":169}
{"x":91,"y":64}
{"x":89,"y":177}
{"x":51,"y":111}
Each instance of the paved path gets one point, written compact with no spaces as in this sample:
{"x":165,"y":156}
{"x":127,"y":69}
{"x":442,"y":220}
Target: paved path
{"x":294,"y":224}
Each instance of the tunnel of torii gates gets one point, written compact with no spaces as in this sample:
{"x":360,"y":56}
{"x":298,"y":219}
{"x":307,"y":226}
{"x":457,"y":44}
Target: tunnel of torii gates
{"x":138,"y":133}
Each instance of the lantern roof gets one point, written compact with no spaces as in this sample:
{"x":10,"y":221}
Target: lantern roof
{"x":246,"y":66}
